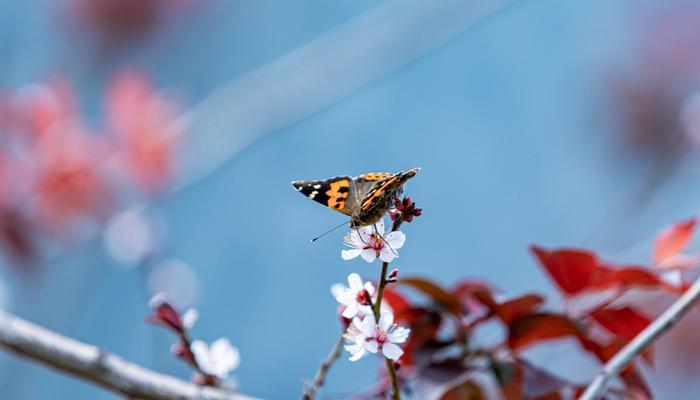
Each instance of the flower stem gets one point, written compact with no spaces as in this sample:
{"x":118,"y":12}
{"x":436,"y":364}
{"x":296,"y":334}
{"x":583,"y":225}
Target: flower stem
{"x":395,"y":392}
{"x":331,"y":358}
{"x":380,"y":291}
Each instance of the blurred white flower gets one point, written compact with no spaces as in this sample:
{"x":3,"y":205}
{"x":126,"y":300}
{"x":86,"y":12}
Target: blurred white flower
{"x":356,"y":298}
{"x":366,"y":336}
{"x":217,"y":360}
{"x":189,"y":318}
{"x":130,"y":237}
{"x":368,"y":243}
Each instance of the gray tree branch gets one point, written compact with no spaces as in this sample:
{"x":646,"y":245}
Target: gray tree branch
{"x":98,"y":366}
{"x":598,"y":387}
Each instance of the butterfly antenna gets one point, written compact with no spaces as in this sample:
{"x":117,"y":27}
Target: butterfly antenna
{"x":327,"y":232}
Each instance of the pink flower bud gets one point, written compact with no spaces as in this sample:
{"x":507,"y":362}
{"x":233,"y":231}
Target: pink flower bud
{"x":165,"y":314}
{"x":393,"y":275}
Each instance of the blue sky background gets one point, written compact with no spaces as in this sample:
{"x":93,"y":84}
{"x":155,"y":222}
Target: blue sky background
{"x":507,"y":120}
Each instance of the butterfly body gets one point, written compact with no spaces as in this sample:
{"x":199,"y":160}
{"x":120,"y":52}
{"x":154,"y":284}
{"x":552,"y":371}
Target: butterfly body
{"x":365,"y":198}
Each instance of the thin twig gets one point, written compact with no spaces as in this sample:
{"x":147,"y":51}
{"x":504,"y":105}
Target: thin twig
{"x":93,"y":364}
{"x":665,"y":321}
{"x":310,"y":390}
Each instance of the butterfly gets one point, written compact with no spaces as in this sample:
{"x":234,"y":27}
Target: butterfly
{"x":365,"y":198}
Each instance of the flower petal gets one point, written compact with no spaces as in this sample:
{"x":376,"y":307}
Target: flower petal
{"x":396,"y":239}
{"x":338,"y":290}
{"x":350,"y":311}
{"x":367,"y":326}
{"x":386,"y":320}
{"x":399,"y":334}
{"x":372,"y":346}
{"x":355,"y":282}
{"x":369,"y":287}
{"x":189,"y":318}
{"x":364,"y":235}
{"x":369,"y":255}
{"x":357,"y":351}
{"x":201,"y":353}
{"x":387,"y":254}
{"x":392,"y":351}
{"x":350,"y":254}
{"x":379,"y":225}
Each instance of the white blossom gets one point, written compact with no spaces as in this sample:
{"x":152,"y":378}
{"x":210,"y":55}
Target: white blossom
{"x":356,"y":298}
{"x":218,"y":360}
{"x":370,"y":243}
{"x":366,"y":336}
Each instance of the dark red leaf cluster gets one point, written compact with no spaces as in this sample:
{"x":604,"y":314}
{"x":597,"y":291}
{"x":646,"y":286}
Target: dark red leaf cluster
{"x":443,"y":321}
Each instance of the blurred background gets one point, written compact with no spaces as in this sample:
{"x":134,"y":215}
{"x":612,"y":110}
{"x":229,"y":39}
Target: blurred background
{"x":148,"y":146}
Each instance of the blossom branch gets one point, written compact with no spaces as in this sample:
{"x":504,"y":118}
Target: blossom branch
{"x":95,"y":365}
{"x":331,"y":358}
{"x":395,"y":392}
{"x":664,"y":322}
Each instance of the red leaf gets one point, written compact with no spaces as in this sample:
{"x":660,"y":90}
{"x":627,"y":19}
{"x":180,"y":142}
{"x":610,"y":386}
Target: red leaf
{"x":518,"y":307}
{"x":434,"y":291}
{"x":576,"y":271}
{"x":424,"y":326}
{"x":468,"y":291}
{"x":398,"y":304}
{"x":572,"y":270}
{"x":532,"y":329}
{"x":672,"y":240}
{"x":525,"y":381}
{"x":464,"y":391}
{"x":511,"y":309}
{"x":624,"y":322}
{"x":636,"y":386}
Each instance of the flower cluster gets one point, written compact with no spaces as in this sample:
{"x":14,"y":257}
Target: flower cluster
{"x":367,"y":336}
{"x":367,"y":318}
{"x":364,"y":335}
{"x":212,"y":363}
{"x":356,"y":298}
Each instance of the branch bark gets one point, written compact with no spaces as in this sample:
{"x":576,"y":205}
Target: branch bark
{"x":95,"y":365}
{"x":596,"y":390}
{"x":310,"y":390}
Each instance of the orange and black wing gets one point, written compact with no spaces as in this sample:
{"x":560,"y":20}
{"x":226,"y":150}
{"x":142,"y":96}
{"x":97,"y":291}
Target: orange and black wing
{"x":385,"y":189}
{"x":335,"y":193}
{"x":364,"y":182}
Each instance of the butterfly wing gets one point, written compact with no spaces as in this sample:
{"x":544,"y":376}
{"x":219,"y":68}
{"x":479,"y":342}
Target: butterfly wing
{"x":382,"y":192}
{"x":337,"y":193}
{"x":364,"y":183}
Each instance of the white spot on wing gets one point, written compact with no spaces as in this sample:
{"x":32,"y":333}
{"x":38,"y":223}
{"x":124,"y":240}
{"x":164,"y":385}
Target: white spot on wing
{"x":317,"y":186}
